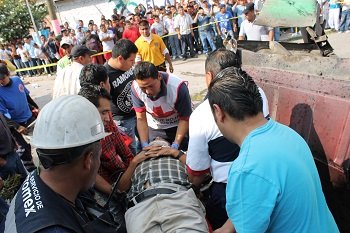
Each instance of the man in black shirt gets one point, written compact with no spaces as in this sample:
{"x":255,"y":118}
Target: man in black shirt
{"x":121,"y":75}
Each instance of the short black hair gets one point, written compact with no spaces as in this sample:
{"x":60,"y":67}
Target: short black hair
{"x":236,"y":93}
{"x":144,"y":23}
{"x":124,"y":48}
{"x":53,"y":157}
{"x":93,"y":74}
{"x":145,"y":70}
{"x":93,"y":94}
{"x":221,"y":59}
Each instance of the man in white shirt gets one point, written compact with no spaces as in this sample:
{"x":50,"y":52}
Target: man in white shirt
{"x":183,"y":26}
{"x":67,"y":80}
{"x":4,"y":53}
{"x":252,"y":31}
{"x":107,"y":38}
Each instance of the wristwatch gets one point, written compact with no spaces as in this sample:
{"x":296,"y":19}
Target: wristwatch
{"x":180,"y":154}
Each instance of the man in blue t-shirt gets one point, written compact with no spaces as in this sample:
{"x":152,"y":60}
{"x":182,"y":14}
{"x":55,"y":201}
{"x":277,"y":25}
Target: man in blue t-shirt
{"x":14,"y":97}
{"x":273,"y":185}
{"x":16,"y":105}
{"x":224,"y":22}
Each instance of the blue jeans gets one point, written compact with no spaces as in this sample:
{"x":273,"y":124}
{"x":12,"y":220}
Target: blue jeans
{"x":206,"y":37}
{"x":174,"y":45}
{"x":27,"y":65}
{"x":128,"y":126}
{"x":19,"y":65}
{"x":226,"y":34}
{"x":277,"y":33}
{"x":345,"y":21}
{"x":34,"y":62}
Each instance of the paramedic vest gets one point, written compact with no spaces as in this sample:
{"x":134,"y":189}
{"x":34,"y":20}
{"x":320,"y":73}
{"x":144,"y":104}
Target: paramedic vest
{"x":161,"y":113}
{"x":36,"y":207}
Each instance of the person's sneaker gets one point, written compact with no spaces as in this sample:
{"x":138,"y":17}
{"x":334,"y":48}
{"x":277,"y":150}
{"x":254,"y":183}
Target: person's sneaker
{"x":199,"y":52}
{"x":184,"y":58}
{"x":181,"y":57}
{"x":348,"y":31}
{"x":173,"y":57}
{"x":340,"y":32}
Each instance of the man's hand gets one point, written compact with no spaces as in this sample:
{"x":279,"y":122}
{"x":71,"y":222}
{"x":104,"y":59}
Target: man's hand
{"x":22,"y":130}
{"x":171,"y":68}
{"x":159,"y":150}
{"x":179,"y":36}
{"x":142,"y":156}
{"x":226,"y":228}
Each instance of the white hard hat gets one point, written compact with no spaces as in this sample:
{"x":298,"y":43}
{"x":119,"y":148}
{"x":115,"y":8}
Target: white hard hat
{"x":66,"y":122}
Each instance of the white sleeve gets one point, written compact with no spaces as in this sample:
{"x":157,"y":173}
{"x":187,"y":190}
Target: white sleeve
{"x":176,"y":22}
{"x":111,"y":34}
{"x":101,"y":36}
{"x":241,"y":30}
{"x":198,"y":158}
{"x":265,"y":102}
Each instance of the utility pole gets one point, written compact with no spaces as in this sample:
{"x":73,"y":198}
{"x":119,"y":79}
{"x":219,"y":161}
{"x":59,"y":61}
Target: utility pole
{"x":54,"y":20}
{"x":32,"y":18}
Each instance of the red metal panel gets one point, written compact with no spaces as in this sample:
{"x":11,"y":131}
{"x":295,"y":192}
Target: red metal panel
{"x":318,"y":109}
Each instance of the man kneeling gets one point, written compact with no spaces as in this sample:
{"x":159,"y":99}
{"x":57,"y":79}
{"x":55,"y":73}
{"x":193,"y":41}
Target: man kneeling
{"x":161,"y":199}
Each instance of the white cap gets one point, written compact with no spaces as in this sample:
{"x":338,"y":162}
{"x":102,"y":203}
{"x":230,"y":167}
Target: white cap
{"x":66,"y":41}
{"x":66,"y":122}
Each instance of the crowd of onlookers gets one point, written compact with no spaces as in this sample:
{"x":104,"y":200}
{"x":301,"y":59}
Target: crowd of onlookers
{"x":203,"y":25}
{"x":101,"y":36}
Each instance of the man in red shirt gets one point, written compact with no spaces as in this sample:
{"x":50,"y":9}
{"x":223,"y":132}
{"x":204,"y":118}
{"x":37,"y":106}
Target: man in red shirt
{"x":131,"y":32}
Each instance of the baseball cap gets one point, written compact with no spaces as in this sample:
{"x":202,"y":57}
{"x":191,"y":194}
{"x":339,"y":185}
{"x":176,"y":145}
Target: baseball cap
{"x":81,"y":50}
{"x":249,"y":7}
{"x":3,"y":71}
{"x":222,"y":6}
{"x":66,"y":41}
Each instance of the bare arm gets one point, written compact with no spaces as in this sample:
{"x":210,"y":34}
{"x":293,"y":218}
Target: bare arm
{"x":197,"y":181}
{"x":226,"y":228}
{"x":182,"y":130}
{"x":102,"y":185}
{"x":271,"y":35}
{"x":168,"y":59}
{"x":241,"y":38}
{"x":142,"y":126}
{"x":124,"y":183}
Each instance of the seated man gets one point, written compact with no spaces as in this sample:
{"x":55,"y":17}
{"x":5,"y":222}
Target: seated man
{"x":158,"y":184}
{"x":163,"y":106}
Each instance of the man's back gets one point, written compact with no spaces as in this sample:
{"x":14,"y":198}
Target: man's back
{"x":13,"y":101}
{"x":274,"y":185}
{"x":67,"y":80}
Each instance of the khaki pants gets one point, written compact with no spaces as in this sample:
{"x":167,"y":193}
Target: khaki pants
{"x":180,"y":212}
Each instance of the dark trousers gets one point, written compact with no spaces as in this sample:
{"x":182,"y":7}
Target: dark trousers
{"x":186,"y":41}
{"x":216,"y":205}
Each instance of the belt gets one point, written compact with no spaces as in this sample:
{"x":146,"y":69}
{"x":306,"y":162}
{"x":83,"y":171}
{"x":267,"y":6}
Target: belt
{"x":148,"y":194}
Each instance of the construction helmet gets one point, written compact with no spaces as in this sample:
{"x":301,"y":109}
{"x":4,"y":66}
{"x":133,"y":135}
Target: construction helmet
{"x":67,"y":122}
